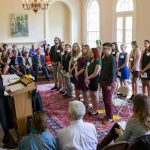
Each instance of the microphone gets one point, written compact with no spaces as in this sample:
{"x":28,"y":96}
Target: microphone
{"x":16,"y":71}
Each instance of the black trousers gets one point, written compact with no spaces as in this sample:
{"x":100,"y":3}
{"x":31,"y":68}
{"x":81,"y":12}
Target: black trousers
{"x":112,"y":135}
{"x":6,"y":118}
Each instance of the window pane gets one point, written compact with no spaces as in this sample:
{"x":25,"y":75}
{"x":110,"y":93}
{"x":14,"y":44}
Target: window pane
{"x":124,"y":5}
{"x":128,"y":36}
{"x":119,"y":23}
{"x":119,"y":36}
{"x":92,"y":37}
{"x":93,"y":23}
{"x":129,"y":23}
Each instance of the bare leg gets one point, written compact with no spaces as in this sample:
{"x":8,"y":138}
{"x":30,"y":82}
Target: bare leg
{"x":135,"y":82}
{"x":85,"y":97}
{"x":95,"y":100}
{"x":144,"y":87}
{"x":148,"y":87}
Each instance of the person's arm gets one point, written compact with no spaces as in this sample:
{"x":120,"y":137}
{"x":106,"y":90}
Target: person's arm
{"x":95,"y":73}
{"x":137,"y":59}
{"x":147,"y":67}
{"x":117,"y":57}
{"x":127,"y":133}
{"x":125,"y":63}
{"x":23,"y":60}
{"x":141,"y":61}
{"x":30,"y":61}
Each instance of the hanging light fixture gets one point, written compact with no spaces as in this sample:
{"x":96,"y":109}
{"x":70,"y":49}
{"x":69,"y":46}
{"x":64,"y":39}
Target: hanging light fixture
{"x":35,"y":5}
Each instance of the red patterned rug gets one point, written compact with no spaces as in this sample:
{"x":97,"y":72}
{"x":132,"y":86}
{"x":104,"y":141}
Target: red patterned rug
{"x":57,"y":109}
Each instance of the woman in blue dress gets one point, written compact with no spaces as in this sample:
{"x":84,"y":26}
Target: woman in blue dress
{"x":123,"y":70}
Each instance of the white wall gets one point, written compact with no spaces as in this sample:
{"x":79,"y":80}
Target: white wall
{"x":42,"y":27}
{"x":35,"y":22}
{"x":39,"y":24}
{"x":60,"y":22}
{"x":107,"y":28}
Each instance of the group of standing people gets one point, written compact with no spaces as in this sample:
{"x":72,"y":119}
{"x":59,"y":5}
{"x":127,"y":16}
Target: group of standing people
{"x":83,"y":69}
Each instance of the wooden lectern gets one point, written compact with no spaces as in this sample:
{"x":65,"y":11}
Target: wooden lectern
{"x":22,"y":105}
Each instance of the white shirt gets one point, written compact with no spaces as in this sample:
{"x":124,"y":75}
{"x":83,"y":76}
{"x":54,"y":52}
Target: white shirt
{"x":78,"y":136}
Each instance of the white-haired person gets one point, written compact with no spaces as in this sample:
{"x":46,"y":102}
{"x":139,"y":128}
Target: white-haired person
{"x":123,"y":70}
{"x":79,"y":135}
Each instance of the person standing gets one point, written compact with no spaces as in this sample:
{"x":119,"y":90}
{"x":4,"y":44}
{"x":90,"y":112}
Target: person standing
{"x":92,"y":78}
{"x":65,"y":64}
{"x":134,"y":66}
{"x":123,"y":70}
{"x":80,"y":69}
{"x":107,"y":78}
{"x":55,"y":55}
{"x":75,"y":55}
{"x":145,"y":68}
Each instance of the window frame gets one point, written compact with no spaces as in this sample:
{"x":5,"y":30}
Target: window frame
{"x":124,"y":15}
{"x":87,"y":20}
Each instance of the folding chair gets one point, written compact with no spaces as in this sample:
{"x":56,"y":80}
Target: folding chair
{"x":117,"y":146}
{"x":123,"y":91}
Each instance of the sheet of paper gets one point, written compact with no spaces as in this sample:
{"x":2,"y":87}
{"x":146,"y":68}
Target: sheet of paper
{"x":16,"y":87}
{"x":8,"y":79}
{"x":144,"y":75}
{"x":122,"y":124}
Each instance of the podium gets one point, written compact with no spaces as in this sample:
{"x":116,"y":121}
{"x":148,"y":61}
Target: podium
{"x":22,"y":104}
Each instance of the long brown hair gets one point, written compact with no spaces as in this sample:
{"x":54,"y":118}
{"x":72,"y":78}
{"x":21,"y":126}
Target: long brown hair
{"x":87,"y":47}
{"x":141,"y":109}
{"x":96,"y":56}
{"x":75,"y":53}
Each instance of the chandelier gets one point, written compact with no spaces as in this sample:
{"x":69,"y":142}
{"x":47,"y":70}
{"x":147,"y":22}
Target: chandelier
{"x":35,"y":5}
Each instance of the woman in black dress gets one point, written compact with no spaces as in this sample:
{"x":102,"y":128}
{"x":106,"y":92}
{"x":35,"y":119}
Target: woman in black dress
{"x":80,"y":84}
{"x":145,"y":68}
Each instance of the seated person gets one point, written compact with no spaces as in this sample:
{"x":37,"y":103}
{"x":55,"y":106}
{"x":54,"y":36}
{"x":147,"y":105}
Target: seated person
{"x":27,"y":62}
{"x":3,"y":57}
{"x":38,"y":62}
{"x":48,"y":60}
{"x":79,"y":135}
{"x":137,"y":125}
{"x":40,"y":138}
{"x":32,"y":51}
{"x":17,"y":62}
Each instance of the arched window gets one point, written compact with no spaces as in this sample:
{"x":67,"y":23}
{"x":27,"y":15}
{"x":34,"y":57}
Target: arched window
{"x":124,"y":22}
{"x":93,"y":19}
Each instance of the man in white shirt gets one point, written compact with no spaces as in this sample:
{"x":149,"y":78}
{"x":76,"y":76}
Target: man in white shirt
{"x":79,"y":135}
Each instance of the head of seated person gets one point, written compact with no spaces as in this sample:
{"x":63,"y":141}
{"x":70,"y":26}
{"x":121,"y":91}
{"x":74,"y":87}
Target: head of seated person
{"x":40,"y":121}
{"x":76,"y":110}
{"x":38,"y":51}
{"x":4,"y":69}
{"x":15,"y":52}
{"x":141,"y":110}
{"x":39,"y":134}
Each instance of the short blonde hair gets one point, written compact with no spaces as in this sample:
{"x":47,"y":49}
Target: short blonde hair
{"x":76,"y":109}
